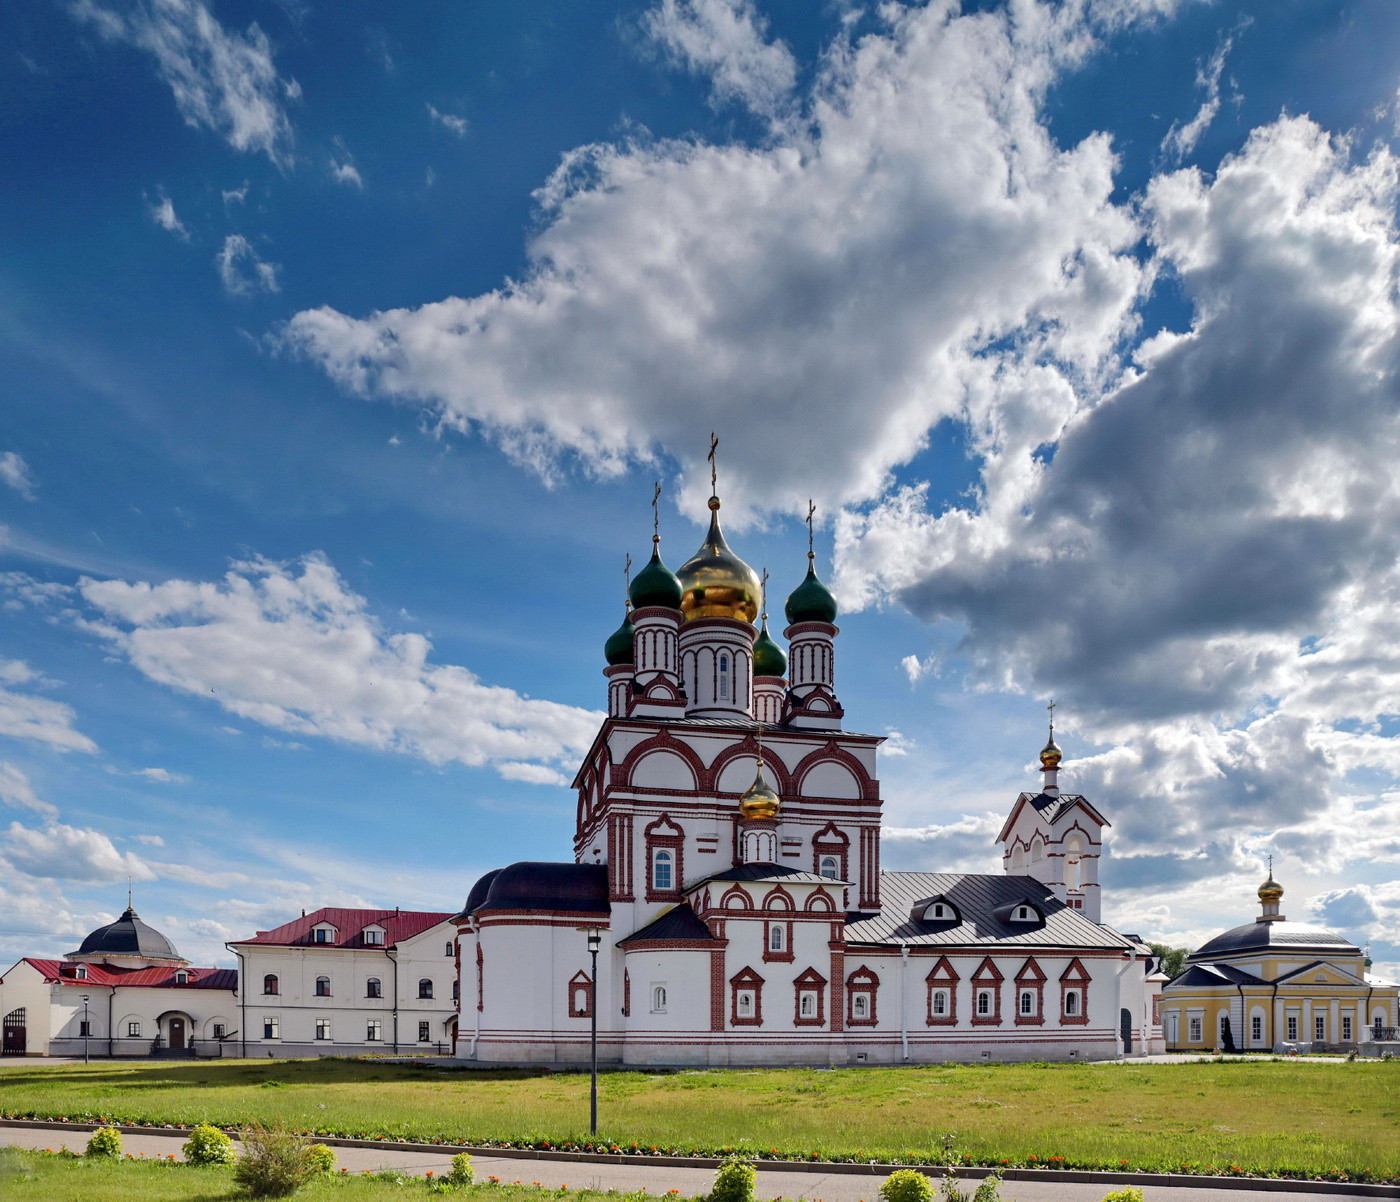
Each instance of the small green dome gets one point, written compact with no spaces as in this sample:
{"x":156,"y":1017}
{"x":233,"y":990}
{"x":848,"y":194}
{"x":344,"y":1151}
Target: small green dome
{"x":655,"y":584}
{"x":768,"y":657}
{"x":810,"y":601}
{"x":618,"y":648}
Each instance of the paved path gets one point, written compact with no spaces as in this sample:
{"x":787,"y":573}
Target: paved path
{"x":817,"y":1187}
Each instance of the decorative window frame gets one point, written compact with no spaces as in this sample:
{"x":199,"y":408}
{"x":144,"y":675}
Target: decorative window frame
{"x":1075,"y":978}
{"x":832,"y":841}
{"x":987,"y":977}
{"x":746,"y":978}
{"x":580,"y":995}
{"x":769,"y":955}
{"x":942,"y":976}
{"x":1030,"y":977}
{"x":862,"y":983}
{"x":664,"y":835}
{"x":809,"y":981}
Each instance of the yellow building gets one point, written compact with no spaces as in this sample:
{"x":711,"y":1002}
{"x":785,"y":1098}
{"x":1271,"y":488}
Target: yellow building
{"x":1275,"y":984}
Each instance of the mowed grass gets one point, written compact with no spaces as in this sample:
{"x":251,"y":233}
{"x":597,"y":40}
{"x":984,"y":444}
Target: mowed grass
{"x":1259,"y":1116}
{"x":34,"y":1177}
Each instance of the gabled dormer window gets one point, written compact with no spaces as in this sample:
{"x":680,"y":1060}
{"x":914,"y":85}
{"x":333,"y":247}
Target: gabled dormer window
{"x":323,"y":934}
{"x":182,"y":977}
{"x":374,"y":936}
{"x":81,"y":972}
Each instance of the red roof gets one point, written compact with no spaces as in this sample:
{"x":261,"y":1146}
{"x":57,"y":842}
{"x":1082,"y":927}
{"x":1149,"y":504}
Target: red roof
{"x":349,"y":927}
{"x":66,"y":972}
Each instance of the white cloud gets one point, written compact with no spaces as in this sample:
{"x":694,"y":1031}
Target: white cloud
{"x":858,"y":271}
{"x":150,"y":840}
{"x":458,"y":125}
{"x":222,"y":80}
{"x":1181,"y":140}
{"x":17,"y":792}
{"x":235,"y":196}
{"x":40,"y":719}
{"x":242,"y":272}
{"x":347,"y":173}
{"x":725,"y":41}
{"x":163,"y":214}
{"x":292,"y":648}
{"x":15,"y":473}
{"x":164,"y":776}
{"x":62,"y":852}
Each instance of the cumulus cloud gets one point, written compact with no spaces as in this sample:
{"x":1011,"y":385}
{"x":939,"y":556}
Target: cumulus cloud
{"x":24,"y":715}
{"x":242,"y":272}
{"x":833,"y":291}
{"x":347,"y":173}
{"x":163,"y":214}
{"x":1181,"y":139}
{"x":457,"y":125}
{"x":725,"y":41}
{"x":14,"y":472}
{"x":291,"y":647}
{"x":61,"y":852}
{"x":17,"y":792}
{"x":222,"y":80}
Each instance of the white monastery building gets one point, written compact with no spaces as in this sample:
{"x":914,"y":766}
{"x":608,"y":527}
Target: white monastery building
{"x":727,"y":851}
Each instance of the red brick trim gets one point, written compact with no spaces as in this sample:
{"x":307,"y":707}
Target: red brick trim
{"x":862,"y":983}
{"x":1030,"y":977}
{"x":831,"y":840}
{"x":784,"y":956}
{"x":663,"y":740}
{"x":779,"y":894}
{"x":819,"y":902}
{"x":746,"y":978}
{"x":665,"y":835}
{"x":1075,"y":978}
{"x":833,"y":752}
{"x":580,"y":984}
{"x":987,"y":977}
{"x":626,"y":993}
{"x":942,"y":976}
{"x":809,"y":980}
{"x":717,"y":989}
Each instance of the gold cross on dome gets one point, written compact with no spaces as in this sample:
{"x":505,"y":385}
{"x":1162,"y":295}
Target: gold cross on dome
{"x":811,"y":513}
{"x":627,"y":578}
{"x":714,"y":446}
{"x":655,"y":513}
{"x":1051,"y":708}
{"x":763,"y":595}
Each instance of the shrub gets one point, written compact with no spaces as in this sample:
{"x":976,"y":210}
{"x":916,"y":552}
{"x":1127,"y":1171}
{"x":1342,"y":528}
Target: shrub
{"x":209,"y":1145}
{"x":952,"y":1191}
{"x":105,"y":1141}
{"x":462,"y":1172}
{"x":907,"y":1185}
{"x":322,"y":1158}
{"x":987,"y":1191}
{"x":275,"y":1163}
{"x":734,"y":1181}
{"x":1129,"y":1193}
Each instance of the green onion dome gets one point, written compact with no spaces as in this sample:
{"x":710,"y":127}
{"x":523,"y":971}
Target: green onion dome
{"x":618,"y":648}
{"x":768,"y":657}
{"x":810,"y":601}
{"x":655,"y":584}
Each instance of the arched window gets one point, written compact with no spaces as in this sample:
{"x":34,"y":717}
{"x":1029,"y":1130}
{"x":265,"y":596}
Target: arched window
{"x":777,"y":938}
{"x":425,"y":988}
{"x":984,"y":1001}
{"x":323,"y":986}
{"x":724,"y":678}
{"x":860,"y":1006}
{"x":1027,"y":1001}
{"x":1018,"y":857}
{"x":829,"y":867}
{"x":1071,"y":1002}
{"x":270,"y":983}
{"x":658,"y":999}
{"x":1074,"y":863}
{"x":373,"y":988}
{"x":662,"y":870}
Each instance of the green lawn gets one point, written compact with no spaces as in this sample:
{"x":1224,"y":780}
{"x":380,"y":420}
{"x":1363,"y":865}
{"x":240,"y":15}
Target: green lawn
{"x":1260,"y":1116}
{"x":35,"y":1177}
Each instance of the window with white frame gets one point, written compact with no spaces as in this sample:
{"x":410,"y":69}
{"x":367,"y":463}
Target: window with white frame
{"x":1292,"y":1026}
{"x":829,"y":867}
{"x":724,"y":678}
{"x":81,"y":972}
{"x":1256,"y":1028}
{"x":270,"y":983}
{"x":374,"y":937}
{"x":447,"y":949}
{"x":425,"y":1032}
{"x":133,"y":1030}
{"x":984,"y":1001}
{"x":658,"y":998}
{"x":323,"y":987}
{"x":1071,"y":1003}
{"x":663,"y":869}
{"x":272,"y":1027}
{"x":939,"y":912}
{"x":425,"y":988}
{"x":220,"y":1030}
{"x":323,"y":935}
{"x":807,"y":1003}
{"x":374,"y":1031}
{"x":860,"y":1006}
{"x":1346,"y":1028}
{"x":182,"y":978}
{"x":1028,"y":1001}
{"x":744,"y":1003}
{"x":938,"y":1002}
{"x":1193,"y":1029}
{"x":777,"y":937}
{"x":323,"y":1028}
{"x":1319,"y":1026}
{"x":1024,"y":914}
{"x":1378,"y":1023}
{"x":84,"y":1027}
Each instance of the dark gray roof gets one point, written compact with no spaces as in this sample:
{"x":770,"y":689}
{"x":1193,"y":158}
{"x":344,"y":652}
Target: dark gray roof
{"x":978,"y":899}
{"x":1279,"y":935}
{"x":748,"y":724}
{"x":478,"y":892}
{"x":535,"y":885}
{"x":128,"y":936}
{"x":767,"y":872}
{"x":1207,"y":976}
{"x":679,"y":922}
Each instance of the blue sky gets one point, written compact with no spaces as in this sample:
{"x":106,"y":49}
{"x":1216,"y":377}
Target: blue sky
{"x":340,"y":345}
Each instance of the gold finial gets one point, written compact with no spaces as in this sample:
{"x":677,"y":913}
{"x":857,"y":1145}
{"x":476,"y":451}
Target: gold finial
{"x":128,"y":891}
{"x":714,"y":446}
{"x":1050,"y":754}
{"x":811,"y":513}
{"x":1271,"y":891}
{"x":760,"y":800}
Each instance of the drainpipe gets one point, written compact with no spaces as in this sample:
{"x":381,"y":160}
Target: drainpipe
{"x":394,"y":960}
{"x":242,"y":1005}
{"x":1244,"y":1019}
{"x":1273,"y":1011}
{"x":111,"y":1001}
{"x":1118,"y":1004}
{"x":904,"y":1000}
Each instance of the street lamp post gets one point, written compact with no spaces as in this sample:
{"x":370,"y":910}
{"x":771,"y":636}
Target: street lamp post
{"x":87,"y":1030}
{"x":595,"y":941}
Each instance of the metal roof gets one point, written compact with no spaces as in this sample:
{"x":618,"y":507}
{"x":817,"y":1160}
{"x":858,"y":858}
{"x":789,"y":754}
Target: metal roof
{"x":679,"y":922}
{"x":349,"y":928}
{"x":1279,"y":935}
{"x":767,"y":872}
{"x":128,"y":936}
{"x":1209,"y":976}
{"x":980,"y":900}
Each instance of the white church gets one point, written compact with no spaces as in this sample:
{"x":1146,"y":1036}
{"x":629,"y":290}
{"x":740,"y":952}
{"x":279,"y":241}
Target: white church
{"x":727,"y":867}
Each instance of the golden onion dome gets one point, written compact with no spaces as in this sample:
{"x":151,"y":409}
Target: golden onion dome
{"x":759,"y":800}
{"x":1270,"y":890}
{"x":716,"y":583}
{"x":1050,"y":755}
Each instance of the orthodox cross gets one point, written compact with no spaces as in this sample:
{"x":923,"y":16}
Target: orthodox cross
{"x":763,"y":595}
{"x":1051,"y":708}
{"x":811,"y":513}
{"x":1271,"y":867}
{"x":714,"y":446}
{"x":758,"y":757}
{"x":655,"y":513}
{"x":627,"y":578}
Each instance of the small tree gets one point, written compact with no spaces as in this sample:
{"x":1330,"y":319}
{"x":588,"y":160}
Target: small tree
{"x":988,"y":1190}
{"x":907,"y":1185}
{"x":1172,"y":960}
{"x":105,"y":1141}
{"x":208,"y":1145}
{"x":735,"y":1180}
{"x":462,"y":1172}
{"x":275,"y":1163}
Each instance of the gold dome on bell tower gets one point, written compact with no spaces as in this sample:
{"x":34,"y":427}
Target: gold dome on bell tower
{"x":716,"y":583}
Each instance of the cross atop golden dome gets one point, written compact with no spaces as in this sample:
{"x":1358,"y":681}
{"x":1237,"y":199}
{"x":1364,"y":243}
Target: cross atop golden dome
{"x":716,"y":583}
